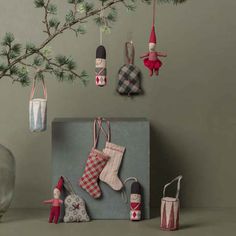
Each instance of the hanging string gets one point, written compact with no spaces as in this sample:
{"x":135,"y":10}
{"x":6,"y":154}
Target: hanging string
{"x":123,"y":192}
{"x":101,"y":40}
{"x":101,"y":36}
{"x":154,"y":12}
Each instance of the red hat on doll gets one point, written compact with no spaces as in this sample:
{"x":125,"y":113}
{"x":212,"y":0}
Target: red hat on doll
{"x":60,"y":184}
{"x":153,"y":38}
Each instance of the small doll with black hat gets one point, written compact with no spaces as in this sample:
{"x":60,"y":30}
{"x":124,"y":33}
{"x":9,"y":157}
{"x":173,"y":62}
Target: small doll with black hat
{"x":135,"y":202}
{"x":100,"y":67}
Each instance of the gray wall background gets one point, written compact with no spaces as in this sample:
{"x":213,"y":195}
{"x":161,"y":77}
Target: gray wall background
{"x":191,"y":106}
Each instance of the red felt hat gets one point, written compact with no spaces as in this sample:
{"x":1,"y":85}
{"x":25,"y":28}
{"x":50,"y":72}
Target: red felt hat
{"x":60,"y":184}
{"x":152,"y":38}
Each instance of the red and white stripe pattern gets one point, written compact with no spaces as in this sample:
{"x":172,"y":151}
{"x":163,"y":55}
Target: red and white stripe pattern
{"x":170,"y":207}
{"x":109,"y":174}
{"x":169,"y":213}
{"x":95,"y":164}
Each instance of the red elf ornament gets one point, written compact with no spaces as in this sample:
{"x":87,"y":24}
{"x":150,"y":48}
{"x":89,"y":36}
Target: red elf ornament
{"x":151,"y":60}
{"x":55,"y":202}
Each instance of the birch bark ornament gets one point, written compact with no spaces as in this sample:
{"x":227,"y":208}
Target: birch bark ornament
{"x":170,"y":208}
{"x":38,"y":109}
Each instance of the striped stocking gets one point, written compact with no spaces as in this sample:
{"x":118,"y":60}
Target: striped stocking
{"x":109,"y":174}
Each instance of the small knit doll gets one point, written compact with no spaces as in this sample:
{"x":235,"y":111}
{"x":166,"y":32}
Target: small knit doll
{"x":135,"y":201}
{"x":55,"y":202}
{"x":100,"y":69}
{"x":151,"y":60}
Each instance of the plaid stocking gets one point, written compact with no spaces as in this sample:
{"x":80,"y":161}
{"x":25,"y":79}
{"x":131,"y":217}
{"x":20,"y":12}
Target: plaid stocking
{"x":95,"y":164}
{"x":109,"y":174}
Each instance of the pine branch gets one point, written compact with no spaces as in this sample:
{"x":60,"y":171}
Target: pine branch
{"x":65,"y":67}
{"x":46,"y":18}
{"x":12,"y":52}
{"x":28,"y":65}
{"x":65,"y":27}
{"x":75,"y":6}
{"x":39,"y":3}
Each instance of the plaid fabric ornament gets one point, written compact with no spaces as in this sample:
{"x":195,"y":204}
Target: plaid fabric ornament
{"x":95,"y":163}
{"x":94,"y":166}
{"x":129,"y":75}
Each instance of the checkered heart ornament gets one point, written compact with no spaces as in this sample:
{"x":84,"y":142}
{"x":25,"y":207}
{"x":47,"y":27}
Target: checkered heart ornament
{"x":129,"y":75}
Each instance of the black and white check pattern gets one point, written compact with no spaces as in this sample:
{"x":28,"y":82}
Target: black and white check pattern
{"x":129,"y":80}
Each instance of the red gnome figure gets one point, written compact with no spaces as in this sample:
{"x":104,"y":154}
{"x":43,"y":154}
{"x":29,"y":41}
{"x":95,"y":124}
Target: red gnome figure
{"x":151,"y":60}
{"x":55,"y":202}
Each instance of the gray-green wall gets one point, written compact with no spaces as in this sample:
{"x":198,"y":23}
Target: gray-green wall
{"x":191,"y":106}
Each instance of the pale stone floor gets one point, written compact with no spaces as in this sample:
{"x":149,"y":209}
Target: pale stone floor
{"x":194,"y":222}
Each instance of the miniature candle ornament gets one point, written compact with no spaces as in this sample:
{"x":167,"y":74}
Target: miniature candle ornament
{"x":55,"y":202}
{"x":135,"y":201}
{"x":170,"y":208}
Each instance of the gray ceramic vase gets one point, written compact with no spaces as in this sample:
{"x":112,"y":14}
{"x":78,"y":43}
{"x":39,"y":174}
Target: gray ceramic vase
{"x":7,"y":179}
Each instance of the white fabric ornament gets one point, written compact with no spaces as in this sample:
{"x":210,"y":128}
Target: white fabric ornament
{"x":38,"y":110}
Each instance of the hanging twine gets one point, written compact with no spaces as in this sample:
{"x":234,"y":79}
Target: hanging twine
{"x":123,"y":192}
{"x":154,"y":13}
{"x":101,"y":34}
